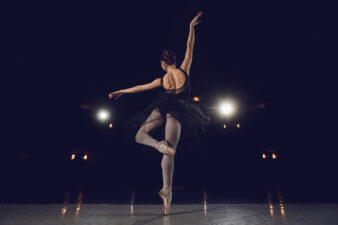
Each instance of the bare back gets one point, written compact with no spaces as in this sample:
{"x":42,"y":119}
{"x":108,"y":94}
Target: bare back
{"x":174,"y":79}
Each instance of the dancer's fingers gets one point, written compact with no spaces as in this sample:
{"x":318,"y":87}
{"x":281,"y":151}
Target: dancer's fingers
{"x":118,"y":95}
{"x":195,"y":21}
{"x":199,"y":14}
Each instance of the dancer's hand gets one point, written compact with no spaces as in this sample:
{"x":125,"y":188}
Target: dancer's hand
{"x":195,"y":21}
{"x":115,"y":94}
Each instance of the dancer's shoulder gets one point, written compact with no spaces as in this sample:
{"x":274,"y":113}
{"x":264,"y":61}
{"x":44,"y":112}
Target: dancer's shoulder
{"x":184,"y":70}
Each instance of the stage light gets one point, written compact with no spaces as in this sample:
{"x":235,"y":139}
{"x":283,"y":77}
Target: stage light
{"x":72,"y":157}
{"x":274,"y":156}
{"x":85,"y":157}
{"x":238,"y":125}
{"x":227,"y":108}
{"x":197,"y":99}
{"x":111,"y":125}
{"x":103,"y":115}
{"x":224,"y":126}
{"x":264,"y":156}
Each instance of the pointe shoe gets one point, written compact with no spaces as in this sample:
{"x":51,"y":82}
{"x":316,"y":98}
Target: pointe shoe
{"x":166,"y":195}
{"x":166,"y":149}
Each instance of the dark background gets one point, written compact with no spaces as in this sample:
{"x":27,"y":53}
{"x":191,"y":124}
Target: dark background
{"x":64,"y":55}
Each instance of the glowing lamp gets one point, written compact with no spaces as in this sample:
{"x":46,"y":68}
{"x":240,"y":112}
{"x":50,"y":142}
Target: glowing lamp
{"x":227,"y":108}
{"x":274,"y":156}
{"x":103,"y":115}
{"x":197,"y":99}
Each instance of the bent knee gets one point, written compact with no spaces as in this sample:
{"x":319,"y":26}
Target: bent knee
{"x":138,"y":137}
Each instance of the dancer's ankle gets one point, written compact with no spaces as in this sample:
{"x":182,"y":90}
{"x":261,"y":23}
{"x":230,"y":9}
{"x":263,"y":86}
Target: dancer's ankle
{"x":167,"y":188}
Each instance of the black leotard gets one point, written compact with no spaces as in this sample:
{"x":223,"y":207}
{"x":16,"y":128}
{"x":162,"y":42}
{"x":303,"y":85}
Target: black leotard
{"x":182,"y":92}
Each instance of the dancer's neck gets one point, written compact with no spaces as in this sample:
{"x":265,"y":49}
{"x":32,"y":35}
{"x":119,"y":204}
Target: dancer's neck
{"x":170,"y":68}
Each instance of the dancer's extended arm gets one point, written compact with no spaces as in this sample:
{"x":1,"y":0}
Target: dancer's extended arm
{"x":139,"y":88}
{"x":190,"y":44}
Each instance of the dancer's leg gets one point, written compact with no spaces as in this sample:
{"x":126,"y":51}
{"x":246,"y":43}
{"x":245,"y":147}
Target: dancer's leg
{"x":172,"y":135}
{"x":154,"y":120}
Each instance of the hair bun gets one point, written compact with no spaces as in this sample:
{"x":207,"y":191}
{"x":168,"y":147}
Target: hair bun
{"x":168,"y":56}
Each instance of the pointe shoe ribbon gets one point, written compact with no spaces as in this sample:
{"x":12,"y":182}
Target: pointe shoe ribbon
{"x":166,"y":149}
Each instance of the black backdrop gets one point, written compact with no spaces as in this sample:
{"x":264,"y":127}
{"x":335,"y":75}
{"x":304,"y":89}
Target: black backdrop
{"x":64,"y":55}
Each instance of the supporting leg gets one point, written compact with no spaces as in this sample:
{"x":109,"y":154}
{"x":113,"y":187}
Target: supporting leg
{"x":172,"y":135}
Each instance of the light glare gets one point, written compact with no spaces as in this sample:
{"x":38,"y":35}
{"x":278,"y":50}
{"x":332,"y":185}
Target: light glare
{"x":227,"y":108}
{"x":196,"y":99}
{"x":102,"y":115}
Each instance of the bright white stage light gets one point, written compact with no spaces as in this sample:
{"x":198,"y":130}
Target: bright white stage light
{"x":103,"y":115}
{"x":227,"y":108}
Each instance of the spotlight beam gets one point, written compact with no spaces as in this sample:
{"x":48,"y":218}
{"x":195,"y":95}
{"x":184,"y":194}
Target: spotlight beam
{"x":103,"y":115}
{"x":227,"y":108}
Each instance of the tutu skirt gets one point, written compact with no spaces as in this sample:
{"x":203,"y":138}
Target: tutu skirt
{"x":193,"y":120}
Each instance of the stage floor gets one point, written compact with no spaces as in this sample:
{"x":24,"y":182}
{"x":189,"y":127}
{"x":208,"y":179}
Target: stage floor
{"x":195,"y":214}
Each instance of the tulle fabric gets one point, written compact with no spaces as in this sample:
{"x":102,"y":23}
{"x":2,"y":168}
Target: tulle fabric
{"x":193,"y":120}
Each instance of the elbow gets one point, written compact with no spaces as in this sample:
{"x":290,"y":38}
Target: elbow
{"x":190,"y":44}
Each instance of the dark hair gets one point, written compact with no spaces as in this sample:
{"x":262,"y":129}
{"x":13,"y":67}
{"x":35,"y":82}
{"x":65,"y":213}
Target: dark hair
{"x":168,"y":56}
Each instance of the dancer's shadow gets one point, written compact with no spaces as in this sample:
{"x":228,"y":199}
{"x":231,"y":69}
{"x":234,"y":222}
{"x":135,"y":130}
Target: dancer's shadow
{"x":187,"y":212}
{"x":145,"y":221}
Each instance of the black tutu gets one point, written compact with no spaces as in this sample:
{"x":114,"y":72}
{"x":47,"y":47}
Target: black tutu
{"x":193,"y":120}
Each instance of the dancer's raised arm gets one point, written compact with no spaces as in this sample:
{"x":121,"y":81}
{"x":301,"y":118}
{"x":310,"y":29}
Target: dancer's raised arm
{"x":190,"y":44}
{"x":136,"y":89}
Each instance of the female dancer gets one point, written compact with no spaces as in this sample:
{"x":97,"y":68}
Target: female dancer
{"x":174,"y":106}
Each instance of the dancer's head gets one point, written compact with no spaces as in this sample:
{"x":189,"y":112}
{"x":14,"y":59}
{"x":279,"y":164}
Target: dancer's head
{"x":168,"y":58}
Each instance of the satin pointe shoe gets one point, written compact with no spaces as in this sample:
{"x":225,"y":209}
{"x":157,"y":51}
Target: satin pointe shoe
{"x":166,"y":149}
{"x":166,"y":195}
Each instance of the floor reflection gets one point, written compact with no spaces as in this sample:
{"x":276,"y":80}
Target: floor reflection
{"x":65,"y":203}
{"x":275,"y":203}
{"x":79,"y":202}
{"x":205,"y":198}
{"x":166,"y":220}
{"x":64,"y":209}
{"x":132,"y":202}
{"x":280,"y":202}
